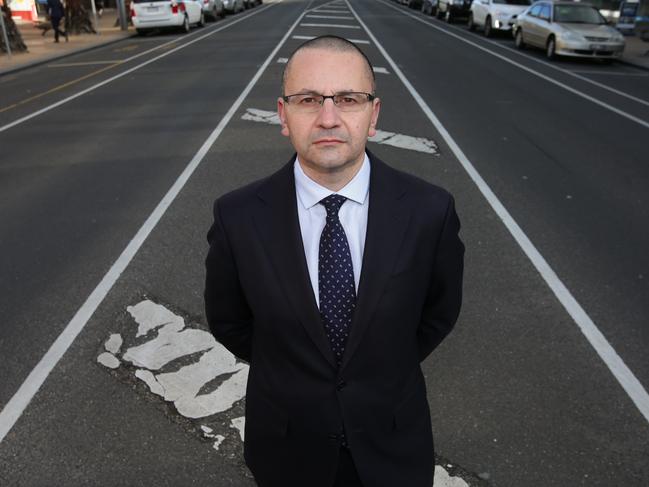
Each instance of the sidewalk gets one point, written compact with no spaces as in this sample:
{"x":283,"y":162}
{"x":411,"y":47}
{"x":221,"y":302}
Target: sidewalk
{"x":636,"y":52}
{"x":42,"y":48}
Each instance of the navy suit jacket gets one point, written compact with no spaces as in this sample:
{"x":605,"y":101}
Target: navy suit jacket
{"x":260,"y":304}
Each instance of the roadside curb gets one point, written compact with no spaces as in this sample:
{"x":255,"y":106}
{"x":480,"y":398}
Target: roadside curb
{"x":63,"y":55}
{"x":634,"y":64}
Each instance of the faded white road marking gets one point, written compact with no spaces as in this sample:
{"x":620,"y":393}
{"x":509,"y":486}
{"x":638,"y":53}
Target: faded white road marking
{"x":334,"y":17}
{"x":625,"y":377}
{"x":308,"y":38}
{"x":282,"y":60}
{"x":380,"y":70}
{"x":611,"y":73}
{"x":336,"y":26}
{"x":88,"y":63}
{"x":419,"y":144}
{"x":443,"y":479}
{"x":240,"y":425}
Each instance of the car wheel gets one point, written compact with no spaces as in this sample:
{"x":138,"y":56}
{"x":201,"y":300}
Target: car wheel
{"x":550,"y":48}
{"x":518,"y":39}
{"x":186,"y":27}
{"x":488,"y":30}
{"x":447,"y":16}
{"x":201,"y":20}
{"x":470,"y":23}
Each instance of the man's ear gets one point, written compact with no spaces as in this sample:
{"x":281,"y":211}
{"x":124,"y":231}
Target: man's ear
{"x":376,"y":108}
{"x":281,"y":113}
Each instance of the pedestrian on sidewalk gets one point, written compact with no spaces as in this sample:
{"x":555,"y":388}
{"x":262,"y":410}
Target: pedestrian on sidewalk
{"x":56,"y":12}
{"x":334,"y":278}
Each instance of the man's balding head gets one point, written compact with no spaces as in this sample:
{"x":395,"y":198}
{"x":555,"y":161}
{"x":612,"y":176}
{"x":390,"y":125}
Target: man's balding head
{"x":335,"y":44}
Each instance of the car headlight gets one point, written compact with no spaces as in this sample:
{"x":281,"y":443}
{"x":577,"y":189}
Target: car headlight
{"x":617,"y":37}
{"x":572,"y":36}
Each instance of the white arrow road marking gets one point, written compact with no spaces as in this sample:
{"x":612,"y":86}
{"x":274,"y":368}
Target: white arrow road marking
{"x":419,"y":144}
{"x":240,"y":425}
{"x":443,"y":479}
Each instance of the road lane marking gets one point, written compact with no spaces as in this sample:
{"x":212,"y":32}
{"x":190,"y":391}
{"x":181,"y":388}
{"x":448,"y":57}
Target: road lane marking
{"x":611,"y":73}
{"x":380,"y":70}
{"x":602,"y":347}
{"x":408,"y":142}
{"x":117,"y":76}
{"x":592,"y":99}
{"x":308,"y":38}
{"x":336,"y":26}
{"x":88,"y":63}
{"x":335,"y":17}
{"x":14,"y":409}
{"x":191,"y":388}
{"x":282,"y":60}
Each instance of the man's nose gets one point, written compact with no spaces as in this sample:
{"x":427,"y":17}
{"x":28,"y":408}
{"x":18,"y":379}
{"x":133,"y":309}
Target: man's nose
{"x":328,"y":115}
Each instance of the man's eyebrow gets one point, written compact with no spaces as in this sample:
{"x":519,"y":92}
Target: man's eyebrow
{"x":308,"y":91}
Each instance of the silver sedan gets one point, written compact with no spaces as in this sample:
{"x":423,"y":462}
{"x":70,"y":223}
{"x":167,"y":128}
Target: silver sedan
{"x":567,"y":29}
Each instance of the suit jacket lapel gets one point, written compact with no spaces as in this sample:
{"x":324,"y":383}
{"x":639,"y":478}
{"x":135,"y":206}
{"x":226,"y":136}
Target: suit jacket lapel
{"x":279,"y":228}
{"x":386,"y":224}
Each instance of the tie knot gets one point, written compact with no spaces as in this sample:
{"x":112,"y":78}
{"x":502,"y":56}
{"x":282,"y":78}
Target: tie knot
{"x":332,"y":204}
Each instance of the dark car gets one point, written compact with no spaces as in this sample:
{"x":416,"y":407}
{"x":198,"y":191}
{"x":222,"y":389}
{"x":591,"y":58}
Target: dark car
{"x":450,"y":10}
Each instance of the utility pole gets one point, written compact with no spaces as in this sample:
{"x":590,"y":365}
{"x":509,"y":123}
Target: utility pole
{"x":123,"y":19}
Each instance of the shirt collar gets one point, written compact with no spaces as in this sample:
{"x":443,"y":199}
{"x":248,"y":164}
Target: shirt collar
{"x":311,"y":193}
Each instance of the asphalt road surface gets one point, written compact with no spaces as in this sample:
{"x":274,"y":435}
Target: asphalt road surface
{"x":110,"y":161}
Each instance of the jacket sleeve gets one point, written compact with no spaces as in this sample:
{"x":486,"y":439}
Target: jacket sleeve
{"x":228,"y":314}
{"x":444,"y":298}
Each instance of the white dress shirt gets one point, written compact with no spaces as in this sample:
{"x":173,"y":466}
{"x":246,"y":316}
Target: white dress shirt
{"x":352,"y":214}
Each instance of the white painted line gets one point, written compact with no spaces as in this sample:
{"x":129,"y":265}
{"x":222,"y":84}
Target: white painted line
{"x":330,"y":11}
{"x":308,"y":38}
{"x":21,"y":399}
{"x":135,"y":68}
{"x":443,"y":479}
{"x":408,"y":142}
{"x":282,"y":60}
{"x":334,"y":17}
{"x":606,"y":352}
{"x":336,"y":26}
{"x":610,"y":73}
{"x":622,"y":113}
{"x":380,"y":70}
{"x":89,"y":63}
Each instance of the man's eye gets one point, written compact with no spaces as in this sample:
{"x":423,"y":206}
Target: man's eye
{"x":309,"y":100}
{"x":347,"y":100}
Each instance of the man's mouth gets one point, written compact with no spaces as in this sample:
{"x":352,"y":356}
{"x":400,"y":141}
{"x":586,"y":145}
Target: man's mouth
{"x":327,"y":141}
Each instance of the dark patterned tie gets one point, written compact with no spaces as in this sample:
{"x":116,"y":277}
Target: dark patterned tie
{"x":335,"y":278}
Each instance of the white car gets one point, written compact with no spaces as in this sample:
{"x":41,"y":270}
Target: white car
{"x":155,"y":14}
{"x":495,"y":15}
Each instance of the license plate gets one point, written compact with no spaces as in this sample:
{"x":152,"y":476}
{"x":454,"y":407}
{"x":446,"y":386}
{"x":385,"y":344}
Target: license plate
{"x":152,"y":9}
{"x":599,"y":47}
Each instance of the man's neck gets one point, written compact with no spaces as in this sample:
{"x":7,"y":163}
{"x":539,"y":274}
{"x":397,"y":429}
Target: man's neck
{"x":333,"y":180}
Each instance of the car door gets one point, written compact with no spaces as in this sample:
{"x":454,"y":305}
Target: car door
{"x":479,"y":8}
{"x":545,"y":24}
{"x":530,"y":26}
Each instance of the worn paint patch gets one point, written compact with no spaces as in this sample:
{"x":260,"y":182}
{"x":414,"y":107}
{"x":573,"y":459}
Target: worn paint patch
{"x":408,"y":142}
{"x":443,"y":479}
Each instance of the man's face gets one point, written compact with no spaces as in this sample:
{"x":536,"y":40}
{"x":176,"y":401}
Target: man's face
{"x":328,"y":140}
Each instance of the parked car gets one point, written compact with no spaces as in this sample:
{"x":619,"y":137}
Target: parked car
{"x":147,"y":15}
{"x":234,"y":6}
{"x":567,"y":29}
{"x":429,"y":7}
{"x":450,"y":10}
{"x":495,"y":15}
{"x":213,"y":9}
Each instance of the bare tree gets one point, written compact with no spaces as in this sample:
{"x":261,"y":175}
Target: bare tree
{"x":15,"y":39}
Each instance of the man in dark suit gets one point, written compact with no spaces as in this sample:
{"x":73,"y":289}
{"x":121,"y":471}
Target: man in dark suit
{"x":334,"y":278}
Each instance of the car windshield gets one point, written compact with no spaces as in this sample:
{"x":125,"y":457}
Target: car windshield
{"x":513,"y":2}
{"x":577,"y":14}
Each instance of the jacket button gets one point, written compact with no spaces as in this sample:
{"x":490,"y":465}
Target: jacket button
{"x":341,"y":385}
